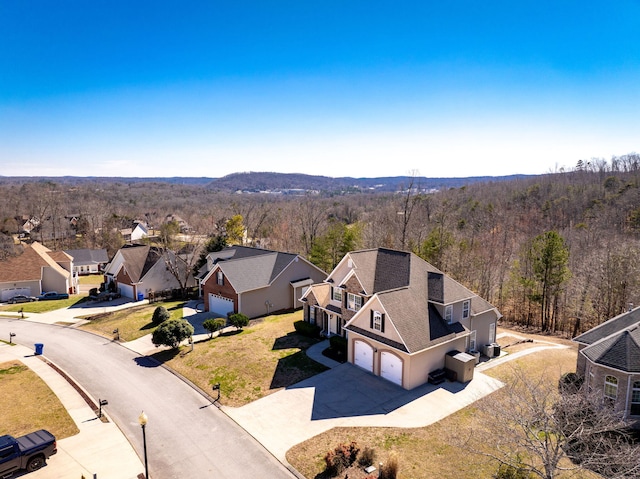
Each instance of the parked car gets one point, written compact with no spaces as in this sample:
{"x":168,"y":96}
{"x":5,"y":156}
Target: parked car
{"x":52,"y":295}
{"x":104,"y":296}
{"x":21,"y":298}
{"x":28,"y":452}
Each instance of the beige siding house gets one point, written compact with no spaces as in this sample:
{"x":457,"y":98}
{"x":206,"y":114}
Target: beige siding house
{"x":255,"y":281}
{"x":401,"y":316}
{"x":36,"y":270}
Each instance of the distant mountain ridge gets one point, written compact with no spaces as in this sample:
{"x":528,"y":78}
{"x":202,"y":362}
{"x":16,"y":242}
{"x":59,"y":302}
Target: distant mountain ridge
{"x":255,"y":182}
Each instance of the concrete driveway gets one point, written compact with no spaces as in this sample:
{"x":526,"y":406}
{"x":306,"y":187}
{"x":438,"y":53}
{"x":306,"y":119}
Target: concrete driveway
{"x":347,"y":396}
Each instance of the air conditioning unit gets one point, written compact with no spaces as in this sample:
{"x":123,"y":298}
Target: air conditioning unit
{"x":488,"y":350}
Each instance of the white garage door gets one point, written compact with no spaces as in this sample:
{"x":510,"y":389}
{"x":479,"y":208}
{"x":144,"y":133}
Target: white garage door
{"x":9,"y":293}
{"x":126,"y":290}
{"x":220,"y":305}
{"x":363,"y":355}
{"x":391,"y":368}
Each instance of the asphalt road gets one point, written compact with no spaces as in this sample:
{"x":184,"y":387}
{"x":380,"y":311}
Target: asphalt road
{"x":187,"y":436}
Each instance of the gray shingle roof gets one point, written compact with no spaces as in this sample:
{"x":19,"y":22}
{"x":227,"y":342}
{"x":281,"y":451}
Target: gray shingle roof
{"x":614,"y":325}
{"x":620,"y":351}
{"x":82,"y":257}
{"x":255,"y":271}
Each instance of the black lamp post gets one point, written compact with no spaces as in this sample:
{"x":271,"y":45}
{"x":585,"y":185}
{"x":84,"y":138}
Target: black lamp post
{"x":142,"y":419}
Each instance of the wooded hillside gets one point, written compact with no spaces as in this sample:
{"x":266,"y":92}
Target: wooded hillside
{"x":557,"y":252}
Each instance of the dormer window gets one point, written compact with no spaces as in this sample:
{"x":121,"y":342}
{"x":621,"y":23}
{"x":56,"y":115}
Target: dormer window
{"x":466,"y":309}
{"x":220,"y":278}
{"x":448,"y":313}
{"x":337,"y":294}
{"x":354,"y":302}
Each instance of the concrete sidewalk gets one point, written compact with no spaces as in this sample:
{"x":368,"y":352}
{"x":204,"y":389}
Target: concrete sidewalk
{"x":99,"y":448}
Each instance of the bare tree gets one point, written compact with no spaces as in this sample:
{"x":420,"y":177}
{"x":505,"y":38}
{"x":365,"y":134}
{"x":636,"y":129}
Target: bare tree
{"x":538,"y":429}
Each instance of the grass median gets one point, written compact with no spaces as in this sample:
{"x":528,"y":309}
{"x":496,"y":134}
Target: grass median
{"x":27,"y":404}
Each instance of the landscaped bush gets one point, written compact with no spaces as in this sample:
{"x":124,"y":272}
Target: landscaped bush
{"x":306,"y":329}
{"x":506,"y":471}
{"x":238,"y":320}
{"x":367,"y":457}
{"x":171,"y":333}
{"x":570,"y":383}
{"x":160,"y":315}
{"x":342,"y":457}
{"x":213,"y":325}
{"x":339,"y":344}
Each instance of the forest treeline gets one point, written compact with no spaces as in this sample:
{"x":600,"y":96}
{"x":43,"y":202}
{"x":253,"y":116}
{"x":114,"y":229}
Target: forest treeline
{"x":557,"y":252}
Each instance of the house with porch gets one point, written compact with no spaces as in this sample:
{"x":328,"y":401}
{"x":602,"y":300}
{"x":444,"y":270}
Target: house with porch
{"x":609,"y":362}
{"x":401,"y":316}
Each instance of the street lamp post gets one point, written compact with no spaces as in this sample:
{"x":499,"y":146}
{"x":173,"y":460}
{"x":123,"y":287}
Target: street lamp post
{"x":142,"y":419}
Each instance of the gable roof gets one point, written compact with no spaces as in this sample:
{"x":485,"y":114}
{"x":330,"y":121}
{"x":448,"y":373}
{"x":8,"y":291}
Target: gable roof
{"x":412,"y":287}
{"x":615,"y":343}
{"x":139,"y":259}
{"x":28,"y":266}
{"x":83,"y":257}
{"x":251,"y":272}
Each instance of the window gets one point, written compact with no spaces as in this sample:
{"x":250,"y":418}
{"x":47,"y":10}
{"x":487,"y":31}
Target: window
{"x":377,"y":320}
{"x":611,"y":387}
{"x":492,"y":333}
{"x":354,"y":302}
{"x":466,"y":306}
{"x":312,"y":314}
{"x":472,"y":341}
{"x":220,"y":278}
{"x":448,"y":313}
{"x":337,"y":294}
{"x":635,"y":399}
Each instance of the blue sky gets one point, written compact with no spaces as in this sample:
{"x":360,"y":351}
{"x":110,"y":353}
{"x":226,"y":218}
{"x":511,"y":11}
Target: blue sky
{"x":338,"y":88}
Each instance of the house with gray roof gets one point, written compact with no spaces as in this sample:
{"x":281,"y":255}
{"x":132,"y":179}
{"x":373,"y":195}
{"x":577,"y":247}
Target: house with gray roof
{"x":255,"y":281}
{"x":88,"y":261}
{"x":609,"y":361}
{"x":401,"y":316}
{"x":139,"y":271}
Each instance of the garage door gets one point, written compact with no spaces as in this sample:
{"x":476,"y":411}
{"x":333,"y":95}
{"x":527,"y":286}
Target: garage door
{"x":363,"y":355}
{"x":219,"y":305}
{"x":391,"y":368}
{"x":9,"y":293}
{"x":126,"y":290}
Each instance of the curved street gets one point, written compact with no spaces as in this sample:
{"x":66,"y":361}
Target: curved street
{"x":187,"y":436}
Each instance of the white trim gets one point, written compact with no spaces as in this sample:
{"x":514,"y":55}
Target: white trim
{"x":302,"y":282}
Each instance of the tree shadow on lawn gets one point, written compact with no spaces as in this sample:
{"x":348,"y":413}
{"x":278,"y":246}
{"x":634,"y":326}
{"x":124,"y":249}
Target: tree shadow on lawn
{"x":158,"y":358}
{"x":149,"y":325}
{"x":294,"y":368}
{"x":293,"y":340}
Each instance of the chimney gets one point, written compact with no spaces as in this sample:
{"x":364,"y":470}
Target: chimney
{"x":435,"y":285}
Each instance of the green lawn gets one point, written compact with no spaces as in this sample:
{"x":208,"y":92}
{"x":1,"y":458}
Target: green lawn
{"x":132,"y":323}
{"x":45,"y":306}
{"x":91,"y":279}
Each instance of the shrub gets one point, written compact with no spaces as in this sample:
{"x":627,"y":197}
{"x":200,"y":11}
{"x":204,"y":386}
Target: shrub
{"x":160,"y":315}
{"x":171,"y":333}
{"x":339,"y":344}
{"x":506,"y":471}
{"x":570,"y":383}
{"x":342,"y":457}
{"x":306,"y":329}
{"x":213,"y":325}
{"x":389,"y":470}
{"x":238,"y":320}
{"x":367,"y":458}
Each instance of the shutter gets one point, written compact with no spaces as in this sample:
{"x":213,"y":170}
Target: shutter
{"x":331,"y":293}
{"x":344,"y":298}
{"x":382,"y":323}
{"x":371,"y":319}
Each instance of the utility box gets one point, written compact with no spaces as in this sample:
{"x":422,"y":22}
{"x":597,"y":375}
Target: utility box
{"x":462,"y":364}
